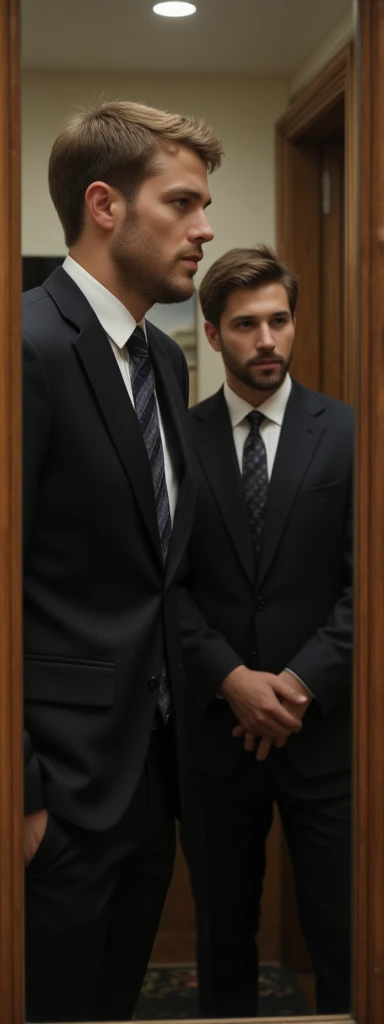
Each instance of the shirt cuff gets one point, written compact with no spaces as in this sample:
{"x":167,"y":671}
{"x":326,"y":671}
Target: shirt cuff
{"x":300,"y":681}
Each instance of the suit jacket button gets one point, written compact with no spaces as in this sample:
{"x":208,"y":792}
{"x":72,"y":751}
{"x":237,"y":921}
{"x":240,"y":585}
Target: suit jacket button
{"x":261,"y":604}
{"x":154,"y":682}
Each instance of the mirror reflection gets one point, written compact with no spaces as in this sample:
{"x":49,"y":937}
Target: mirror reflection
{"x":187,"y":572}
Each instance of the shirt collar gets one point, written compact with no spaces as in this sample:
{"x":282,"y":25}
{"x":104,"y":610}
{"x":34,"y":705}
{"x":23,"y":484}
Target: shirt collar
{"x":116,"y":320}
{"x":273,"y":408}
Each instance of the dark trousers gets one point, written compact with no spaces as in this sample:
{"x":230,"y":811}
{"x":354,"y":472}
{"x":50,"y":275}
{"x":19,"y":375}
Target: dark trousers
{"x":223,"y":838}
{"x":93,"y":903}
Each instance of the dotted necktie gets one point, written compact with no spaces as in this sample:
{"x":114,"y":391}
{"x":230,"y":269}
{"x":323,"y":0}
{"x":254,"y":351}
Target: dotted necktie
{"x":255,"y":479}
{"x":143,"y":388}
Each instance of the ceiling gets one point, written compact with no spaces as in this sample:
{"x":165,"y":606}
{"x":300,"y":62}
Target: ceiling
{"x":224,"y":36}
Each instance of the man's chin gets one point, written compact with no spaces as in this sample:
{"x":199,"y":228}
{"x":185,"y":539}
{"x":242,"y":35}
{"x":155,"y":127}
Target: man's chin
{"x":178,"y":291}
{"x":267,"y":381}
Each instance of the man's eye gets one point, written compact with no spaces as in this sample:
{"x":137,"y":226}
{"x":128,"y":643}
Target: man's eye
{"x":183,"y":203}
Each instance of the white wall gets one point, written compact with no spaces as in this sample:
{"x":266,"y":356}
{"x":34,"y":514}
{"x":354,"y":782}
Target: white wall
{"x":243,"y":112}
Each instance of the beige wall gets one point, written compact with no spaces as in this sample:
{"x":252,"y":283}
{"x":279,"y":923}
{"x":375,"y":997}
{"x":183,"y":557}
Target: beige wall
{"x":342,"y":33}
{"x":243,"y":111}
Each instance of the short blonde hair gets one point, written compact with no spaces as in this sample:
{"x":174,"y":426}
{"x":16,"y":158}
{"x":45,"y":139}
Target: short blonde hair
{"x":116,"y":143}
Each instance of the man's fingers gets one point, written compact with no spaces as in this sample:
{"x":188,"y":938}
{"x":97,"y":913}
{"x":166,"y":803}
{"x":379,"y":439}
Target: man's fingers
{"x":286,"y":720}
{"x":249,"y":741}
{"x":264,"y":749}
{"x":270,"y":726}
{"x":239,"y":730}
{"x":287,"y":691}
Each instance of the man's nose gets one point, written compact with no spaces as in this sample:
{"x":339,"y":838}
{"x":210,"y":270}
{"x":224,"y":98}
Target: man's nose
{"x":265,"y":337}
{"x":201,"y":230}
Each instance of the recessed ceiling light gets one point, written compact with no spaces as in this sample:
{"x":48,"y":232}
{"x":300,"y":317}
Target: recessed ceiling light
{"x":174,"y":9}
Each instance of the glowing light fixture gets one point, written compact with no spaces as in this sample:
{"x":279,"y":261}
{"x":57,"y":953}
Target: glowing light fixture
{"x":174,"y":9}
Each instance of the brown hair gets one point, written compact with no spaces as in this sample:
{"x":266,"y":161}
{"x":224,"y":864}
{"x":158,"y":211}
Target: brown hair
{"x":116,"y":143}
{"x":244,"y":268}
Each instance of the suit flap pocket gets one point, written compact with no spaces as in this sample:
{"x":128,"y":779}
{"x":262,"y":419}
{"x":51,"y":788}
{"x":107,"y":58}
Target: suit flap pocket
{"x":68,"y":681}
{"x":322,"y":493}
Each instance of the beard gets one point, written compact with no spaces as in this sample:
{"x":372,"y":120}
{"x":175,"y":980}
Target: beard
{"x":140,"y":263}
{"x":254,"y":375}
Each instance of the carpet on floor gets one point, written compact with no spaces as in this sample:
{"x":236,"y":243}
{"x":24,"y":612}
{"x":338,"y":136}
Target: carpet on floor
{"x":170,"y":993}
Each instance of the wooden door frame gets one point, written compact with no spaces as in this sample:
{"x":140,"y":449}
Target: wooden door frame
{"x":298,"y":243}
{"x":368,"y":936}
{"x":337,"y":81}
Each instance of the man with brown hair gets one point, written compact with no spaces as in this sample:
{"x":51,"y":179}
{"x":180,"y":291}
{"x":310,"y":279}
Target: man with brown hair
{"x":267,"y":603}
{"x":108,"y":507}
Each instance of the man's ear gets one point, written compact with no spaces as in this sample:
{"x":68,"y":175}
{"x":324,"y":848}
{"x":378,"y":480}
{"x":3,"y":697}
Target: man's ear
{"x":213,"y":335}
{"x":102,"y":202}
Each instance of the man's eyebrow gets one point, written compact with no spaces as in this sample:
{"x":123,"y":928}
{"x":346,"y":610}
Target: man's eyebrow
{"x":256,"y":316}
{"x":190,"y":192}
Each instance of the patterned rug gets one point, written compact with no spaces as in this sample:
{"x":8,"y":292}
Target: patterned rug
{"x":170,"y":993}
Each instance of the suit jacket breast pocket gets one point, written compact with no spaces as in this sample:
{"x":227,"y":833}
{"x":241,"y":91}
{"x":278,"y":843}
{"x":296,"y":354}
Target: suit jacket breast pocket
{"x":325,"y":492}
{"x":69,"y":681}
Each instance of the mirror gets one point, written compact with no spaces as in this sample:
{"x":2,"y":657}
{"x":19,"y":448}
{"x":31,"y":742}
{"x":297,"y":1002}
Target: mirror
{"x":310,"y":109}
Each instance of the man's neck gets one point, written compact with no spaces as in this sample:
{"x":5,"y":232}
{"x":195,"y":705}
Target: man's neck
{"x":251,"y":395}
{"x":100,"y":268}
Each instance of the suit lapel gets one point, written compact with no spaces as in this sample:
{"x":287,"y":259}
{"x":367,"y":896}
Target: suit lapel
{"x":303,"y":426}
{"x":215,"y":448}
{"x":175,"y":415}
{"x":98,"y":361}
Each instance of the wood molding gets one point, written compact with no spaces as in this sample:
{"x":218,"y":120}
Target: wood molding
{"x":369,"y":635}
{"x":11,"y":873}
{"x":257,"y":1020}
{"x":298,"y":230}
{"x":319,"y":96}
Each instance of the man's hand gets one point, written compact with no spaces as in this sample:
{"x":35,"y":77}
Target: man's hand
{"x":34,"y":828}
{"x":298,"y":710}
{"x":256,"y":700}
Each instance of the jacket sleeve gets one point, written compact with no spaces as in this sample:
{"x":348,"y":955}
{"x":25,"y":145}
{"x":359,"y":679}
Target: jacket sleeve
{"x":208,"y":657}
{"x":324,"y":663}
{"x":36,"y":426}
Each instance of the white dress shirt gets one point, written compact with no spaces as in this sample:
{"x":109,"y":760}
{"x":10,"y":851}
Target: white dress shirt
{"x":273,"y":409}
{"x":119,"y":324}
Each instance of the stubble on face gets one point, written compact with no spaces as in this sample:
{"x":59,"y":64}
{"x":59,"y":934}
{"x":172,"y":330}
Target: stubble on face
{"x":252,"y":373}
{"x":140,"y":264}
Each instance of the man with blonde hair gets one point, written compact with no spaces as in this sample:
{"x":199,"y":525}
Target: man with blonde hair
{"x":108,"y":507}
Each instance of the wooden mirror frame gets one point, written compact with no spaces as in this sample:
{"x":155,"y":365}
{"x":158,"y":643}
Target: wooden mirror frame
{"x":368,"y":895}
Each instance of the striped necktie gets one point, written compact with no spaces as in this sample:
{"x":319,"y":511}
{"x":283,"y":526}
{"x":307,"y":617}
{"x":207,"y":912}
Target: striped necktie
{"x":143,"y":388}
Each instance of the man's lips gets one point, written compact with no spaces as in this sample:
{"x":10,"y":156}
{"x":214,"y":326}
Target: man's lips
{"x":268,"y":362}
{"x":194,"y":257}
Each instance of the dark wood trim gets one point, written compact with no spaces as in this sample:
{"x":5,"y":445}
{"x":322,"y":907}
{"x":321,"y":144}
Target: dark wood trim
{"x":298,"y":228}
{"x":369,"y":659}
{"x":11,"y":874}
{"x":316,"y":98}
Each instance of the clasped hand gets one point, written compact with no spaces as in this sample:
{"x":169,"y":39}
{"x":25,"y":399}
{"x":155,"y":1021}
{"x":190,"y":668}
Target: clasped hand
{"x":268,"y":707}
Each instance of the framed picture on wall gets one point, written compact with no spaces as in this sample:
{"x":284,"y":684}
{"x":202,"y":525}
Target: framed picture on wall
{"x":179,"y":321}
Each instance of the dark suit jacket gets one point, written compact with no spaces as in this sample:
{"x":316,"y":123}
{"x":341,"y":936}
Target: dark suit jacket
{"x":99,"y":609}
{"x":296,"y":612}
